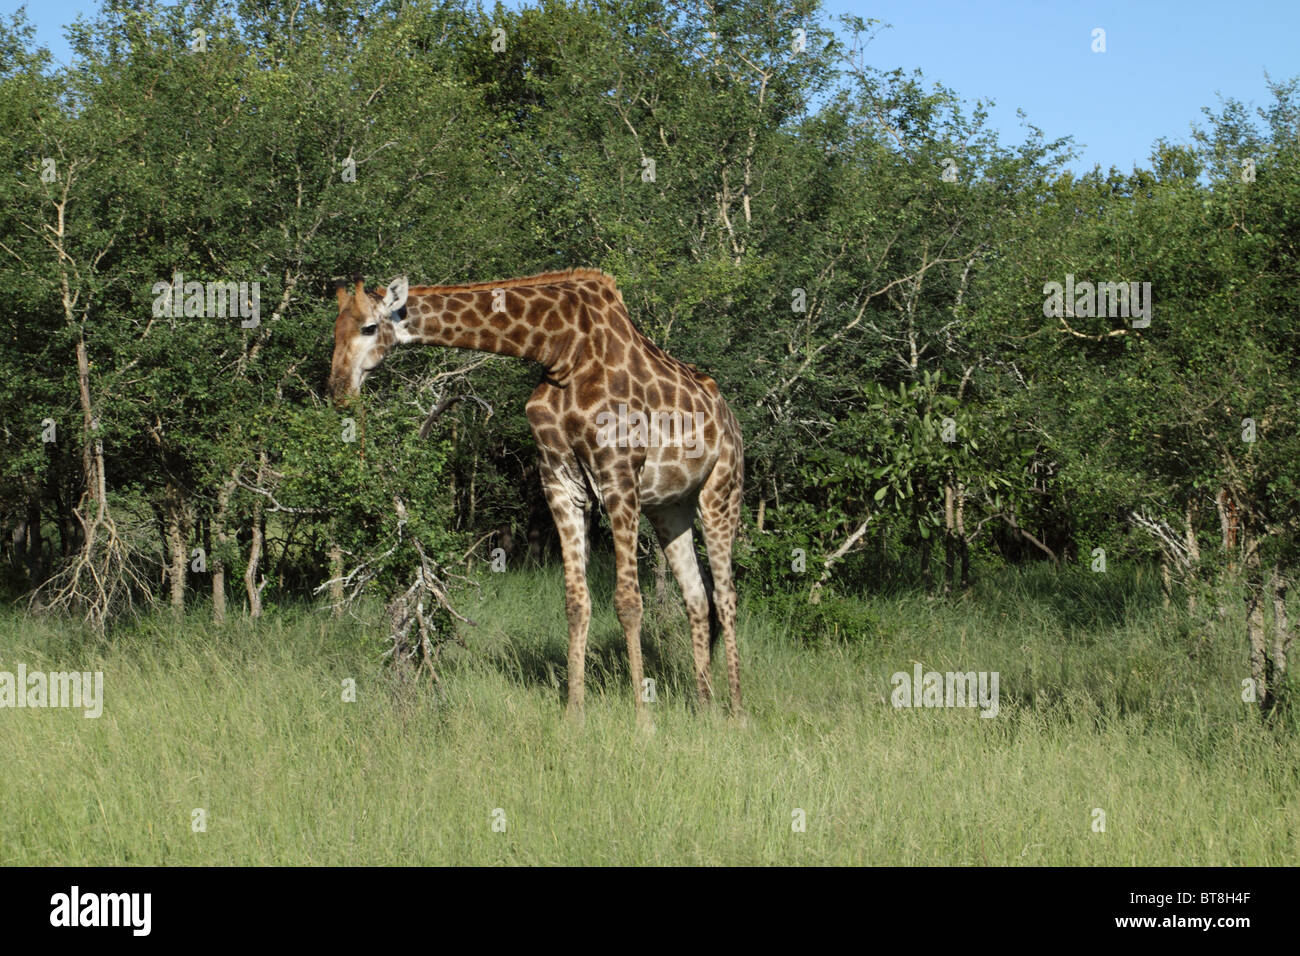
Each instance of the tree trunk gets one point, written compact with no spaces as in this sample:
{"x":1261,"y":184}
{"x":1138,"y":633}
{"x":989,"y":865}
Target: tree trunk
{"x":962,"y":543}
{"x":1189,"y":525}
{"x":454,"y":496}
{"x":1228,"y":523}
{"x":251,"y":587}
{"x":473,"y":474}
{"x":1254,"y":602}
{"x":65,"y":521}
{"x":1281,"y":627}
{"x":174,"y":505}
{"x":35,"y":545}
{"x":336,"y":578}
{"x":222,"y":538}
{"x":949,"y":537}
{"x":13,"y":540}
{"x":266,"y":549}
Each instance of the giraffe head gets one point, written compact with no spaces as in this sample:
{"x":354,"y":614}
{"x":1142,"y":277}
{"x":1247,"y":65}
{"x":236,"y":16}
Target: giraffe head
{"x":364,"y":333}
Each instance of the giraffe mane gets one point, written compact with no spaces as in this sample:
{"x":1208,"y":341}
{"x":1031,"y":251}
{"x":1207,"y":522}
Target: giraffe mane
{"x":542,"y":278}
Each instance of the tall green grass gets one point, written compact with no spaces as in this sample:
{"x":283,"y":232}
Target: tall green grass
{"x":1108,"y":702}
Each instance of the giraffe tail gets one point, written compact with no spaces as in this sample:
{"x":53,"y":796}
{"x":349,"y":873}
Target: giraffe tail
{"x":715,"y":626}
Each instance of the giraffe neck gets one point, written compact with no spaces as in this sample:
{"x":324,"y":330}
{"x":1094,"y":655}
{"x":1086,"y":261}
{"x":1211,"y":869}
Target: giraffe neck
{"x":505,"y":321}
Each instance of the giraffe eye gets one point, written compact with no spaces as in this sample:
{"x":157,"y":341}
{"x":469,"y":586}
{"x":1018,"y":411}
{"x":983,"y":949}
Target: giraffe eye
{"x":369,"y":329}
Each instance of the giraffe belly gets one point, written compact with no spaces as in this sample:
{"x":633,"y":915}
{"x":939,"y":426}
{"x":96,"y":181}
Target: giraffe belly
{"x":672,"y":474}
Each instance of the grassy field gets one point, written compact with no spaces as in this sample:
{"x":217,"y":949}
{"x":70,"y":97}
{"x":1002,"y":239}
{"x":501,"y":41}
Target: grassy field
{"x":1107,"y":702}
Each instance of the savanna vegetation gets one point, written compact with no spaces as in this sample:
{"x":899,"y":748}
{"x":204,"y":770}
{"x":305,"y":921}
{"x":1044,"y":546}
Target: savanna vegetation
{"x":1120,"y":740}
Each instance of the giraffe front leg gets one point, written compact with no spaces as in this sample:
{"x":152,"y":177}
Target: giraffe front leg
{"x":577,"y":606}
{"x":570,"y":516}
{"x":624,"y":519}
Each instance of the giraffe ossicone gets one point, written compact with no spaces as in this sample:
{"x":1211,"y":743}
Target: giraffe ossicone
{"x":607,"y":398}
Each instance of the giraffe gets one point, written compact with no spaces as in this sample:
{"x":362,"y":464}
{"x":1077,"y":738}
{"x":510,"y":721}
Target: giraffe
{"x":606,"y":397}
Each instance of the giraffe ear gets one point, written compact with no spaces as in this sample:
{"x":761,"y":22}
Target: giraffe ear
{"x":341,"y":292}
{"x":395,"y":297}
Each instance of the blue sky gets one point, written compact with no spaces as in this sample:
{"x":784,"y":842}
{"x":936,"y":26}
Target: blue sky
{"x":1164,"y":60}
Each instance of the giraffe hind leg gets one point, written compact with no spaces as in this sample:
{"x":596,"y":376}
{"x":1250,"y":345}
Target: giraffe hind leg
{"x":674,"y":527}
{"x":720,"y":501}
